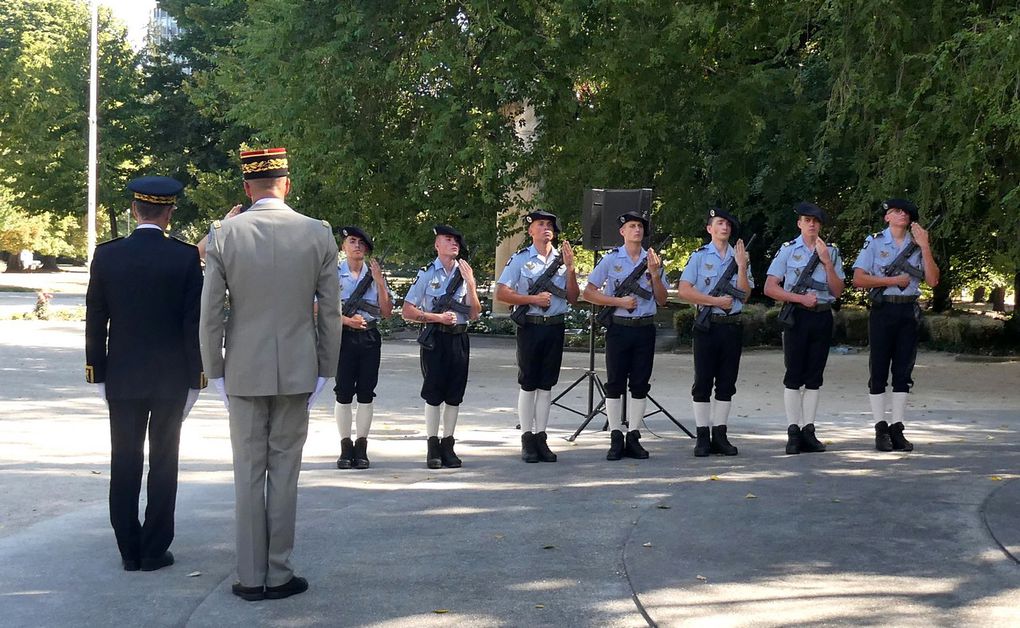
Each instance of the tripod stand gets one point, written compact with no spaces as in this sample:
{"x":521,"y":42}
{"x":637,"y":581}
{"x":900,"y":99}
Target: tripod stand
{"x":595,"y":383}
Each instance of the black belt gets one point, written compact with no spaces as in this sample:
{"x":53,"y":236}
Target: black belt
{"x":371,"y":325}
{"x":726,"y":319}
{"x":821,"y":307}
{"x":898,"y":298}
{"x":631,"y":321}
{"x":451,"y":329}
{"x":545,"y":320}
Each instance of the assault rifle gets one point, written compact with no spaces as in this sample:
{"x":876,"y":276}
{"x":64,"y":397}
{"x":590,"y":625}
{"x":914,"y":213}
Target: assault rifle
{"x":625,"y":288}
{"x":804,"y":283}
{"x":356,"y":301}
{"x":445,"y":303}
{"x":544,"y":283}
{"x":703,"y":321}
{"x":899,"y":266}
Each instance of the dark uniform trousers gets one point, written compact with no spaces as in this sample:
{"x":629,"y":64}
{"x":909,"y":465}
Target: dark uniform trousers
{"x":806,"y":348}
{"x":892,"y":334}
{"x":444,"y":369}
{"x":717,"y":360}
{"x":358,"y":366}
{"x":539,"y":355}
{"x":630,"y":352}
{"x":129,"y":419}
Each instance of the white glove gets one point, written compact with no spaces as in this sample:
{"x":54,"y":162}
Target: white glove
{"x":102,"y":391}
{"x":221,"y":389}
{"x":190,"y":403}
{"x":319,"y":384}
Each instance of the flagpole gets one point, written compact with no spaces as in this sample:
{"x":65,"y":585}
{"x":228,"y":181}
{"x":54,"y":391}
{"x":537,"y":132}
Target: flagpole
{"x":93,"y":97}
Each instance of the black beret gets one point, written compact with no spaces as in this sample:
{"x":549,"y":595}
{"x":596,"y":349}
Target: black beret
{"x":805,"y":208}
{"x":447,"y":230}
{"x":717,"y":212}
{"x":629,"y":216}
{"x":543,"y":215}
{"x":155,"y":190}
{"x":901,"y":203}
{"x":346,"y":232}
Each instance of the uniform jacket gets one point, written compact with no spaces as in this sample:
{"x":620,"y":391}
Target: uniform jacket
{"x":141,"y":321}
{"x":274,"y":263}
{"x":791,"y":259}
{"x":524,"y":268}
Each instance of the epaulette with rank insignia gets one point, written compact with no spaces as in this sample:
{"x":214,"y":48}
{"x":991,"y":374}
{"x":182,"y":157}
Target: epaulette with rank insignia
{"x":790,"y":242}
{"x":180,"y":241}
{"x":109,"y":241}
{"x":325,"y":223}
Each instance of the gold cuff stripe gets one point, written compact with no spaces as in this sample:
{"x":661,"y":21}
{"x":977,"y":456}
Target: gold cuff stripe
{"x":262,"y":166}
{"x":90,"y":375}
{"x":156,"y":200}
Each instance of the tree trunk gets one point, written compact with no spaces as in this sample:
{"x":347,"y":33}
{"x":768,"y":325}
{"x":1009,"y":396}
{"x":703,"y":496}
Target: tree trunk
{"x":1016,"y":290}
{"x":49,"y":264}
{"x":942,"y":296}
{"x":113,"y":222}
{"x":998,"y":299}
{"x":14,"y":264}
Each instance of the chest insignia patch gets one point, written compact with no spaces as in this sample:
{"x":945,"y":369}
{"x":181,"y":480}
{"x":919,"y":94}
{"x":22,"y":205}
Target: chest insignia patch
{"x":617,"y":268}
{"x":883,"y":254}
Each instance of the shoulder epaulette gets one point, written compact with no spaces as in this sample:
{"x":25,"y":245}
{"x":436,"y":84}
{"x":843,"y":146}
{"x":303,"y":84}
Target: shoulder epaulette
{"x":109,"y":241}
{"x":423,"y":268}
{"x":325,"y":223}
{"x":613,"y":250}
{"x":876,"y":234}
{"x":790,"y":242}
{"x":834,"y":247}
{"x":216,"y":224}
{"x":700,"y":248}
{"x":180,"y":241}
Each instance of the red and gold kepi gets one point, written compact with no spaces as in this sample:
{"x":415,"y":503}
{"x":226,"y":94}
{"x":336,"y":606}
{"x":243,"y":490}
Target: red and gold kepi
{"x":264,"y":163}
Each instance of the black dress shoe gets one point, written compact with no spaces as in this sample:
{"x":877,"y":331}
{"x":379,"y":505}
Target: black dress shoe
{"x":152,"y":564}
{"x":130,"y":564}
{"x":296,"y":585}
{"x":251,"y":594}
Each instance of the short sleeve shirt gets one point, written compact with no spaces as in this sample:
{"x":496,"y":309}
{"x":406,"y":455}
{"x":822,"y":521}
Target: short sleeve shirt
{"x":524,"y":269}
{"x":613,"y":269}
{"x":430,"y":284}
{"x":704,"y":268}
{"x":879,"y":251}
{"x":791,"y":259}
{"x":349,"y":281}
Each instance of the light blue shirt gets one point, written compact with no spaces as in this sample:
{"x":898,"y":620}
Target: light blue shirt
{"x":703,"y":269}
{"x":348,"y":282}
{"x":791,"y":259}
{"x":879,"y":251}
{"x":524,"y":269}
{"x":613,"y":269}
{"x":430,"y":284}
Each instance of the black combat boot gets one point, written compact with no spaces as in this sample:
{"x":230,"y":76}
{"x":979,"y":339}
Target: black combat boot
{"x":542,"y":447}
{"x":615,"y":445}
{"x":528,"y":452}
{"x":809,"y":443}
{"x":883,"y":440}
{"x":720,"y":444}
{"x":450,"y":459}
{"x":433,"y":458}
{"x":346,"y":459}
{"x":896,"y":436}
{"x":704,"y":445}
{"x":361,"y":453}
{"x":633,"y":448}
{"x":793,"y":436}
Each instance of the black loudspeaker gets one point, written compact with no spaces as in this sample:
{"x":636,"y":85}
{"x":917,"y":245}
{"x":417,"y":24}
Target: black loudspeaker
{"x":602,"y":207}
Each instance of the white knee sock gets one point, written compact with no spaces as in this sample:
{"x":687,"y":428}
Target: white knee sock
{"x":721,"y":412}
{"x":364,"y":419}
{"x":614,"y":412}
{"x":793,"y":401}
{"x":636,"y":411}
{"x":431,"y":420}
{"x":526,"y":409}
{"x":702,"y":413}
{"x":342,"y":414}
{"x":450,"y":419}
{"x":899,"y":407}
{"x":810,"y":405}
{"x":877,"y":407}
{"x":543,"y":403}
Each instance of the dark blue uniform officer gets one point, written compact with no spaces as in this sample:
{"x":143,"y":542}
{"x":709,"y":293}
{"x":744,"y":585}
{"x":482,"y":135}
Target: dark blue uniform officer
{"x":895,"y":316}
{"x":630,"y":338}
{"x":525,"y":283}
{"x":716,"y":351}
{"x":806,"y":343}
{"x":141,"y":348}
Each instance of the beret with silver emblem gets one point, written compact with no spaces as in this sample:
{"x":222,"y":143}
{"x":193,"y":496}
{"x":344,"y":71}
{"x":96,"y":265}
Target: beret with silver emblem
{"x":901,"y":203}
{"x":346,"y":232}
{"x":539,"y":214}
{"x":447,"y":230}
{"x":155,"y":190}
{"x":805,"y":208}
{"x":718,"y":212}
{"x":629,"y":216}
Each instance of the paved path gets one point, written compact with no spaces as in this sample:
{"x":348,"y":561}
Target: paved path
{"x":847,"y":537}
